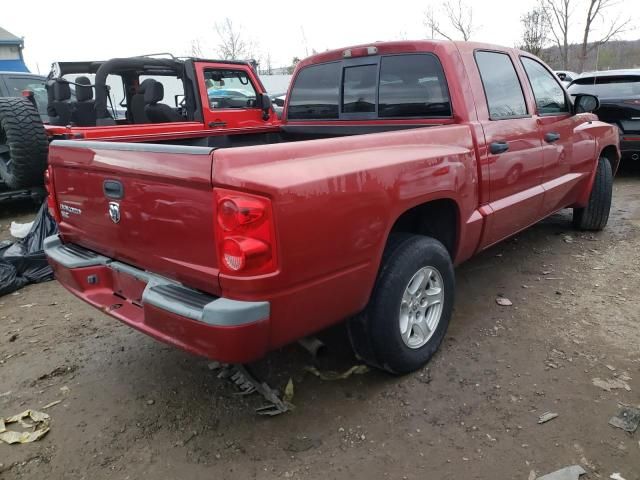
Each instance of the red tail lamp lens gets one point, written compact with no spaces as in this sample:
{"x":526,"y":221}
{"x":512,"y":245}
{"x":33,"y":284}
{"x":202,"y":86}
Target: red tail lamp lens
{"x":245,"y":233}
{"x":240,"y":252}
{"x":235,"y":212}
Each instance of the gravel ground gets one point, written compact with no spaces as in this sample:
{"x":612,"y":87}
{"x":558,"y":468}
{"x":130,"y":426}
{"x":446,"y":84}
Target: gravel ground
{"x":132,"y":408}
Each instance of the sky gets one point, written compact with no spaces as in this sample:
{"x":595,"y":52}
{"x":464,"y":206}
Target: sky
{"x":282,"y":29}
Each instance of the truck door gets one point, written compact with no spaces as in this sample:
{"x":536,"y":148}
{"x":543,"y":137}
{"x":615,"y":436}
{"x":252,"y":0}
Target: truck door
{"x":512,"y":150}
{"x":230,"y":97}
{"x":568,"y":154}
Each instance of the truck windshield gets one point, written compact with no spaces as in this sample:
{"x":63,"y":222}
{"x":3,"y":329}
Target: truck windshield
{"x":619,"y":86}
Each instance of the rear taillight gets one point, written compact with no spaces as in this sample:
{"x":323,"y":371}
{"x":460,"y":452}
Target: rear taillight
{"x":244,"y":233}
{"x":51,"y":196}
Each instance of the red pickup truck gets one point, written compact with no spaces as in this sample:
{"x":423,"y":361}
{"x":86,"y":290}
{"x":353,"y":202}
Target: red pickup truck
{"x":393,"y":163}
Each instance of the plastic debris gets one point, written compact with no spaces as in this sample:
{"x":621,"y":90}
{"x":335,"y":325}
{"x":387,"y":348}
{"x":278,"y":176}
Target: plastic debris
{"x":34,"y":430}
{"x":20,"y":230}
{"x":24,"y":261}
{"x":288,"y":391}
{"x":568,"y":473}
{"x":248,"y":384}
{"x":628,"y":419}
{"x":52,"y":404}
{"x":331,"y":375}
{"x":503,"y":301}
{"x":545,"y":417}
{"x":616,"y":476}
{"x":611,"y":384}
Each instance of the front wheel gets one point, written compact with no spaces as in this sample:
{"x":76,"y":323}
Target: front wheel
{"x":409,"y":310}
{"x":596,"y":214}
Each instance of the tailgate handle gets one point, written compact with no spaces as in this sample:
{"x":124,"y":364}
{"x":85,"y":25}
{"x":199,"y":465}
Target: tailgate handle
{"x":113,"y":189}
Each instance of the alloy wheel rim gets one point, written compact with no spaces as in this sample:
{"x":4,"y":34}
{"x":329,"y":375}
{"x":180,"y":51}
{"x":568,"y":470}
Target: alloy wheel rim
{"x":421,"y":307}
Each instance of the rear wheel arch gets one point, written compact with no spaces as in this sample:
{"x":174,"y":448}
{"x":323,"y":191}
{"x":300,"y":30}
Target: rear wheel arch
{"x":439,"y":219}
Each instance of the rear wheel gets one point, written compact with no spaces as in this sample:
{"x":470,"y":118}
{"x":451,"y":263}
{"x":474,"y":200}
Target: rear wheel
{"x":409,"y":311}
{"x":596,"y":214}
{"x":23,"y":144}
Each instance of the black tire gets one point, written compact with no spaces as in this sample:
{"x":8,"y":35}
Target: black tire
{"x":375,"y":333}
{"x":596,"y":214}
{"x":23,"y":144}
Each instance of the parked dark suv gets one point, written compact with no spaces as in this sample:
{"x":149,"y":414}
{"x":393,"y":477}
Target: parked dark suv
{"x":619,"y":95}
{"x":12,"y":84}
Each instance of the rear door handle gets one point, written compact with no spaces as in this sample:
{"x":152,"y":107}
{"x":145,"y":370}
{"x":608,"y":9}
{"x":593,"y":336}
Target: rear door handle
{"x":551,"y":137}
{"x":498,"y":147}
{"x":217,"y":124}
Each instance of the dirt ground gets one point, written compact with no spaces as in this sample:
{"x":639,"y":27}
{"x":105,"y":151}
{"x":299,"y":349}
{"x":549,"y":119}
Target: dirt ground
{"x":132,"y":408}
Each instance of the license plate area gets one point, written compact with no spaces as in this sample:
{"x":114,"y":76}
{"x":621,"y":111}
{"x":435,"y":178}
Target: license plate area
{"x":128,"y":287}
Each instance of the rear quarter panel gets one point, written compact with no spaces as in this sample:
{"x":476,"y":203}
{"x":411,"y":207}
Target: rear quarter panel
{"x":335,"y":202}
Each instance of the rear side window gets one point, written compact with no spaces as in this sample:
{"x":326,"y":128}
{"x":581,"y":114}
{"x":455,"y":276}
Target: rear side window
{"x":17,"y":84}
{"x":548,"y":93}
{"x":412,"y":86}
{"x":501,"y":85}
{"x":316,"y":93}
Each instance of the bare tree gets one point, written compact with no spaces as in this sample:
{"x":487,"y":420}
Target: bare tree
{"x":458,"y":13}
{"x":292,"y":67}
{"x":614,"y":27}
{"x":196,"y":48}
{"x":535,"y":30}
{"x":232,"y":46}
{"x":268,"y":67}
{"x":558,"y":13}
{"x":432,"y":23}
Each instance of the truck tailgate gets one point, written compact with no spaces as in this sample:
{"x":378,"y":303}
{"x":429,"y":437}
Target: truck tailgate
{"x":150,"y":206}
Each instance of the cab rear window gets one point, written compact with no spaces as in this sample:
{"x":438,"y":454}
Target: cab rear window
{"x":393,"y":86}
{"x":316,"y":93}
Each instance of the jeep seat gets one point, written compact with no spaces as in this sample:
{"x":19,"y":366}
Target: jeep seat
{"x":84,"y":108}
{"x":138,"y":114}
{"x":159,"y":112}
{"x":60,"y":105}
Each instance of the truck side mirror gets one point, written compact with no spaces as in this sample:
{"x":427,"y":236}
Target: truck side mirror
{"x":584,"y":103}
{"x":265,"y":106}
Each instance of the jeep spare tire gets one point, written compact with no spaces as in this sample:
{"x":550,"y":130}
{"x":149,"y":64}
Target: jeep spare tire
{"x":23,"y":143}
